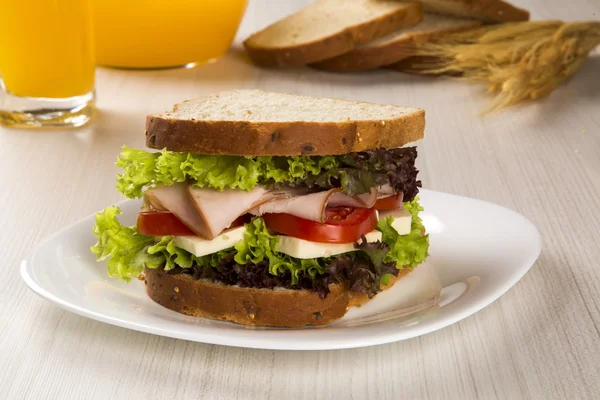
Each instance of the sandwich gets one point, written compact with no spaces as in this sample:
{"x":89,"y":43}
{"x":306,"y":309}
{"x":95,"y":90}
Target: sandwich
{"x":269,"y":209}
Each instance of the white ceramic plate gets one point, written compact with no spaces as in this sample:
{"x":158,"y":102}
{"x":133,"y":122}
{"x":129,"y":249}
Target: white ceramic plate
{"x":478,"y":251}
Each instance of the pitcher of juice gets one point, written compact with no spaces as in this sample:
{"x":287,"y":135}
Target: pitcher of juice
{"x":46,"y":62}
{"x":164,"y":33}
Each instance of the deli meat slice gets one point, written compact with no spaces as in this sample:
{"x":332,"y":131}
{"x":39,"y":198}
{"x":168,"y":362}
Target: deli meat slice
{"x":207,"y":212}
{"x":219,"y":209}
{"x":313,"y":206}
{"x":385,"y":190}
{"x":366,"y":200}
{"x":176,"y":199}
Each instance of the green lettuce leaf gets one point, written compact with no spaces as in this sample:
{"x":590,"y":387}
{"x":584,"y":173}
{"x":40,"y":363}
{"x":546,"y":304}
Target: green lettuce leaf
{"x":127,"y":251}
{"x":354,"y":173}
{"x":220,"y":172}
{"x":142,"y":169}
{"x":407,"y":251}
{"x":139,"y":170}
{"x":124,"y":248}
{"x":173,"y":256}
{"x":258,"y":245}
{"x":212,"y":260}
{"x":169,"y":167}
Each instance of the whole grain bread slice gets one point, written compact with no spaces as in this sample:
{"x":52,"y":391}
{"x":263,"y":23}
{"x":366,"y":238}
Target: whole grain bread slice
{"x":396,"y":46}
{"x":280,"y":307}
{"x":327,"y":28}
{"x":484,"y":10}
{"x":255,"y":123}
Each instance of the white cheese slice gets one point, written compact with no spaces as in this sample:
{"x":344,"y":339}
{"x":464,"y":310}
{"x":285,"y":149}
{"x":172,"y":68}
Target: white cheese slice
{"x":402,"y":219}
{"x":201,"y":247}
{"x":300,"y":248}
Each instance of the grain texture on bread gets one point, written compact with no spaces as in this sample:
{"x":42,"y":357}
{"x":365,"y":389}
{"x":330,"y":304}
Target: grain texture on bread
{"x":484,"y":10}
{"x":396,"y":46}
{"x":327,"y":28}
{"x":249,"y":306}
{"x":256,"y":123}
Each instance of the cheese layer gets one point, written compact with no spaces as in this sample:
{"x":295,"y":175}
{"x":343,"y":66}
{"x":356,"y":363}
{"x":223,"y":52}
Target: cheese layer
{"x":294,"y":247}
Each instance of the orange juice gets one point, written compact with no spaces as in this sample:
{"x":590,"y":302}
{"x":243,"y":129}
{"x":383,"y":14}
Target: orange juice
{"x":46,"y":47}
{"x":164,"y":33}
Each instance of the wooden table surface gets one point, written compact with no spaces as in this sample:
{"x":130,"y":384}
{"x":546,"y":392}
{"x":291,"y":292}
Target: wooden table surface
{"x":540,"y":340}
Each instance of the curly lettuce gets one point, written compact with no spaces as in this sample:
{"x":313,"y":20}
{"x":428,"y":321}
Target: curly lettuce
{"x":142,"y":169}
{"x":354,"y":173}
{"x":397,"y":164}
{"x":407,"y":251}
{"x":255,"y":260}
{"x":139,"y":170}
{"x":126,"y":251}
{"x":258,"y":245}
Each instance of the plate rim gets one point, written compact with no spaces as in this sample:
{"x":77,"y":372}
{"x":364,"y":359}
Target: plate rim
{"x":201,"y":336}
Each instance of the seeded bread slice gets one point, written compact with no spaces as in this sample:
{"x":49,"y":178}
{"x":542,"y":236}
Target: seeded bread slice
{"x":327,"y":28}
{"x":264,"y":307}
{"x":484,"y":10}
{"x":396,"y":46}
{"x":255,"y":123}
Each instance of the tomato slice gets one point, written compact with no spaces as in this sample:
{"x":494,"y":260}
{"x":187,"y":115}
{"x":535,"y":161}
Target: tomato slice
{"x":164,"y":223}
{"x":390,"y":202}
{"x":343,"y":225}
{"x":161,"y":223}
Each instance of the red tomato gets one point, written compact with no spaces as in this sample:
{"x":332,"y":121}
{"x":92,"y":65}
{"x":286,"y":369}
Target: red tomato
{"x":164,"y":223}
{"x":343,"y":225}
{"x":161,"y":223}
{"x":389,"y":203}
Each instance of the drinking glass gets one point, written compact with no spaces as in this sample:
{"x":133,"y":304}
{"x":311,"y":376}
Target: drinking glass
{"x":47,"y":61}
{"x":149,"y":34}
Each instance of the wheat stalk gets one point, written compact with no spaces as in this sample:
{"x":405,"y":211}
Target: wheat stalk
{"x":518,"y":61}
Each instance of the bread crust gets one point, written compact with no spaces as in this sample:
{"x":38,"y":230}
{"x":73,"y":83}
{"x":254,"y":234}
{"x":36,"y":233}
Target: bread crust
{"x":486,"y":10}
{"x":370,"y":57}
{"x":242,"y":138}
{"x":331,"y":46}
{"x":250,"y":306}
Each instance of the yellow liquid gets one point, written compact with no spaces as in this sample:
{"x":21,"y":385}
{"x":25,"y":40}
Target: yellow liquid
{"x":164,"y":33}
{"x":46,"y":47}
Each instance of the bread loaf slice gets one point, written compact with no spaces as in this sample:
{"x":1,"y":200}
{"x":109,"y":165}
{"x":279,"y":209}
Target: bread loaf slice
{"x":484,"y":10}
{"x":327,"y":28}
{"x":250,"y":306}
{"x":397,"y":45}
{"x":255,"y":123}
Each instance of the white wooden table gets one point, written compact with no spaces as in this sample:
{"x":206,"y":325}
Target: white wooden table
{"x":541,"y":340}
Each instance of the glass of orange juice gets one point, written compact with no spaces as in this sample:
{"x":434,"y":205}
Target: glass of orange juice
{"x":164,"y":33}
{"x":46,"y":62}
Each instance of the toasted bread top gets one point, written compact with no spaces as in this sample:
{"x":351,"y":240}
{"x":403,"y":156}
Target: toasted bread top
{"x":255,"y":123}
